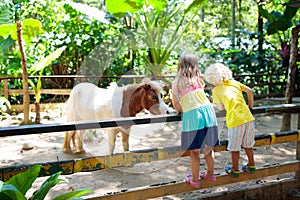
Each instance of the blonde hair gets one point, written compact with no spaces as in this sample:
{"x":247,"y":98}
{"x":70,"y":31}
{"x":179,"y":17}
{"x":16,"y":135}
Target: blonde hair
{"x":188,"y":71}
{"x":217,"y":73}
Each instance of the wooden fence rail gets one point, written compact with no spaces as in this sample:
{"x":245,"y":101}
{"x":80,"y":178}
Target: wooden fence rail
{"x":135,"y":157}
{"x":176,"y":187}
{"x":137,"y":78}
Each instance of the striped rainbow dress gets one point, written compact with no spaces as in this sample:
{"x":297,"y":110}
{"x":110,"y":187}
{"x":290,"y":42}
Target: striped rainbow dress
{"x":199,"y":122}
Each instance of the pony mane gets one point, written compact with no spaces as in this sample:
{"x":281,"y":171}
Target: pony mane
{"x":155,"y":85}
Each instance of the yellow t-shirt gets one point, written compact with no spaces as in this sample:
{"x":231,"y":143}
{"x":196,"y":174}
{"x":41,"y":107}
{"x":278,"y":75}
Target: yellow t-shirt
{"x":230,"y":94}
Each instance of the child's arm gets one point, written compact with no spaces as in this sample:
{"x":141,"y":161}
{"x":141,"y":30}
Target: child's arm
{"x":250,"y":96}
{"x":219,"y":106}
{"x":175,"y":99}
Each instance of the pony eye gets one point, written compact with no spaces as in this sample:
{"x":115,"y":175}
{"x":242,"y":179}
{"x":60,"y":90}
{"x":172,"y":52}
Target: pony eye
{"x":154,"y":97}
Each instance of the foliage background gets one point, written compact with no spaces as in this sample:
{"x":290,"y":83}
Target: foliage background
{"x":103,"y":46}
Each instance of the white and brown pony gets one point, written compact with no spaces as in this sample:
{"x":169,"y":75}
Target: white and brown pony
{"x":89,"y":102}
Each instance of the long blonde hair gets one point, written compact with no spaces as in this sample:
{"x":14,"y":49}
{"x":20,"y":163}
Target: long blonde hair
{"x":188,"y":71}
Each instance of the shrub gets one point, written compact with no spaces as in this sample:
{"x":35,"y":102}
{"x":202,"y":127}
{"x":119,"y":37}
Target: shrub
{"x":16,"y":187}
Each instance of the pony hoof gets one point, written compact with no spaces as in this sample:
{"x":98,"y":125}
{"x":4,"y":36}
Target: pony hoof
{"x":80,"y":151}
{"x":67,"y":150}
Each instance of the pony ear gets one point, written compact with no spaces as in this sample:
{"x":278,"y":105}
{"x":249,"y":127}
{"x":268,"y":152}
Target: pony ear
{"x":147,"y":86}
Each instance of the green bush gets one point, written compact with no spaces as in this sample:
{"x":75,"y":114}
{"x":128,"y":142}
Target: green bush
{"x":16,"y":187}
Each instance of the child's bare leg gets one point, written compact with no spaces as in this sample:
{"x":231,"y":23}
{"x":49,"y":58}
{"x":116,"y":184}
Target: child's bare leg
{"x":195,"y":163}
{"x":235,"y":156}
{"x":209,"y":158}
{"x":249,"y":153}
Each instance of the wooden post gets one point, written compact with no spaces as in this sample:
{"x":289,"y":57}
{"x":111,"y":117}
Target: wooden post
{"x":298,"y":127}
{"x":5,"y":88}
{"x":297,"y":174}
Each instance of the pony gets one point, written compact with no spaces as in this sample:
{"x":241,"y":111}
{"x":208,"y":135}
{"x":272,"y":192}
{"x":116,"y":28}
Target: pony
{"x":89,"y":102}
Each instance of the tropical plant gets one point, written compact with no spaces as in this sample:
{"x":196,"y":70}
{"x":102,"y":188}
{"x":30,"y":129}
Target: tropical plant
{"x":98,"y":40}
{"x":21,"y":31}
{"x":281,"y":22}
{"x":39,"y":67}
{"x":154,"y":19}
{"x":5,"y":11}
{"x":17,"y":186}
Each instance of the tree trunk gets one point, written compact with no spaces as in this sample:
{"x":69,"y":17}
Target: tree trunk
{"x":37,"y":113}
{"x":260,"y":23}
{"x":286,"y":119}
{"x":26,"y":100}
{"x":233,"y":5}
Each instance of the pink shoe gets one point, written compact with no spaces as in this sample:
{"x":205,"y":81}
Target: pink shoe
{"x":208,"y":177}
{"x":194,"y":184}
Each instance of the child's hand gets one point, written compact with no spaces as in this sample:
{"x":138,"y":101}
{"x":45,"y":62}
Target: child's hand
{"x":251,"y":110}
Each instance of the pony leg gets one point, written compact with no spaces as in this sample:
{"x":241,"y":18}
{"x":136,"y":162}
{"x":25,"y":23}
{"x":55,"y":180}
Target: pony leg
{"x":78,"y":138}
{"x":125,"y":138}
{"x":73,"y":139}
{"x":112,"y":135}
{"x":68,"y":136}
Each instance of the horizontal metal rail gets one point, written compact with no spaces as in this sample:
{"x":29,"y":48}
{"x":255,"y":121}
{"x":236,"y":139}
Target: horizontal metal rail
{"x":134,"y":157}
{"x":127,"y":121}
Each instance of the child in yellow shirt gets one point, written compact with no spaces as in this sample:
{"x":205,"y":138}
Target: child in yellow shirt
{"x":228,"y":94}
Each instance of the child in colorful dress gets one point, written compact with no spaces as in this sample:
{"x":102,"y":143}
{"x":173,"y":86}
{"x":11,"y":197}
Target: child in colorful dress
{"x":228,"y":94}
{"x":199,"y":123}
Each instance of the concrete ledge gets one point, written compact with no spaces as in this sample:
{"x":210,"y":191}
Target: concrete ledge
{"x":278,"y":190}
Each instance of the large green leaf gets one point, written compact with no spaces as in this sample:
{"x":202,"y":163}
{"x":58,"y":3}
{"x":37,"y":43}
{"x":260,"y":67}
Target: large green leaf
{"x":46,"y":186}
{"x":30,"y":29}
{"x":196,"y":4}
{"x":120,"y":7}
{"x":7,"y":29}
{"x":132,"y":6}
{"x":291,"y":11}
{"x":23,"y":181}
{"x":278,"y":21}
{"x":9,"y":191}
{"x":265,"y":14}
{"x":73,"y":194}
{"x":44,"y":62}
{"x":92,"y":12}
{"x":6,"y":44}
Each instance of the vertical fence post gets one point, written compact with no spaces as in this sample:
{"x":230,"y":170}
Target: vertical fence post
{"x":298,"y":153}
{"x":298,"y":126}
{"x":5,"y":88}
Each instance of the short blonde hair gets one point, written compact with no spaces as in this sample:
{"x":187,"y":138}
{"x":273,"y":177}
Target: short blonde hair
{"x":217,"y":73}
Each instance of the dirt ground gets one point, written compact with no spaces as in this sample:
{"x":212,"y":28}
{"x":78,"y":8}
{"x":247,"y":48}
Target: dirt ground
{"x":47,"y":147}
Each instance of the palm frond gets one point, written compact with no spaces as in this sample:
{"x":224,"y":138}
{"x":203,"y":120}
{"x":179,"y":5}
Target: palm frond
{"x":6,"y":12}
